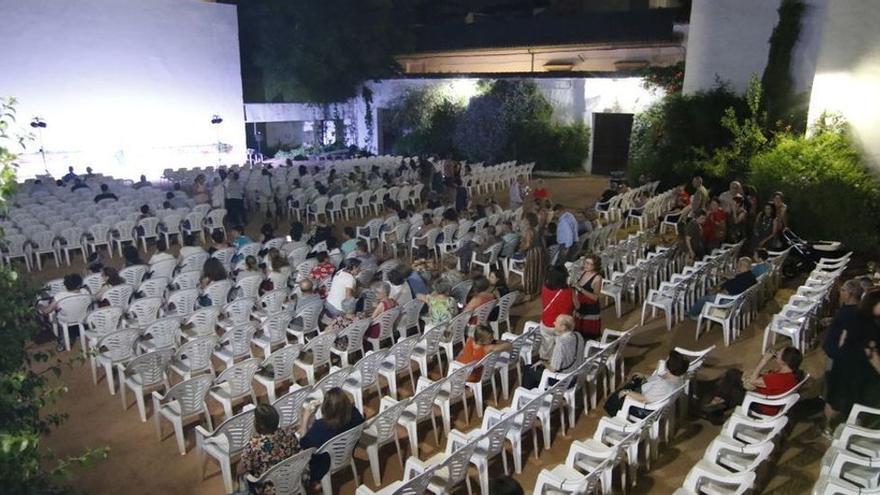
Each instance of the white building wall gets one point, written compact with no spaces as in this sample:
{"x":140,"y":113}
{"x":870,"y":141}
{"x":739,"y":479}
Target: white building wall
{"x":128,"y":87}
{"x":848,"y":71}
{"x":729,"y":41}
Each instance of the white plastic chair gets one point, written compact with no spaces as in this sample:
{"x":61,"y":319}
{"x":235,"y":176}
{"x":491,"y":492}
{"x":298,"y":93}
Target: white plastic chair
{"x":234,"y":384}
{"x":160,"y":334}
{"x":277,"y":368}
{"x":364,"y":375}
{"x":235,"y":344}
{"x":194,"y":357}
{"x":225,"y":443}
{"x":382,"y":430}
{"x":144,"y":374}
{"x":286,"y":477}
{"x":319,"y":347}
{"x":72,"y":311}
{"x":113,"y":349}
{"x":340,"y":449}
{"x":427,"y":347}
{"x":452,"y":469}
{"x":183,"y":402}
{"x":399,"y":359}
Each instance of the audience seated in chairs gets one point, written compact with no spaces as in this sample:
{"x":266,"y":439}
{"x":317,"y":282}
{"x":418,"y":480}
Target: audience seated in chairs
{"x":568,"y":352}
{"x":651,"y":388}
{"x":744,"y":279}
{"x":729,"y":390}
{"x":338,"y":415}
{"x":269,"y":446}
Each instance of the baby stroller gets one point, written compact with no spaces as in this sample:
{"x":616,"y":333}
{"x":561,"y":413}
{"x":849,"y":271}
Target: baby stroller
{"x":805,"y":254}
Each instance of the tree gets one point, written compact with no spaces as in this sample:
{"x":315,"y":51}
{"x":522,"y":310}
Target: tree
{"x":784,"y":108}
{"x":24,"y":386}
{"x":321,"y":51}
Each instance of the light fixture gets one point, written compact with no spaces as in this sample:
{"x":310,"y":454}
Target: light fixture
{"x":216,"y":119}
{"x":37,"y":122}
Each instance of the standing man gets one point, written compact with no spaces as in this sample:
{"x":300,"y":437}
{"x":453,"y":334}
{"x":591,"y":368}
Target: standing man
{"x":235,"y":200}
{"x":518,"y":192}
{"x":566,"y":233}
{"x":693,"y":235}
{"x":700,"y":198}
{"x":267,"y":190}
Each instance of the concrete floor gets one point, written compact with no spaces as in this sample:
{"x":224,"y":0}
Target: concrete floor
{"x":141,"y":464}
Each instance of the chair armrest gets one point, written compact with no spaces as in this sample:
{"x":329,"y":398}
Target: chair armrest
{"x":858,"y":409}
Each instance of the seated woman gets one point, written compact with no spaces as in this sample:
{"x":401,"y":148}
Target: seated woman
{"x":476,"y":347}
{"x":322,"y":273}
{"x":250,"y":269}
{"x":212,"y":271}
{"x":218,"y":241}
{"x":729,"y":390}
{"x":269,"y":446}
{"x":568,"y":353}
{"x":338,"y":415}
{"x":277,"y":271}
{"x":441,"y":306}
{"x":481,"y":293}
{"x":111,"y":279}
{"x":386,"y":302}
{"x":73,"y":286}
{"x":399,"y":286}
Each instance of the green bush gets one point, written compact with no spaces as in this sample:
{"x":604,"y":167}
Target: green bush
{"x":831,"y":193}
{"x":672,"y":139}
{"x":554,"y":146}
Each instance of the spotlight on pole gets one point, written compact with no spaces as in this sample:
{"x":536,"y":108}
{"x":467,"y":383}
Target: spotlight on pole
{"x":39,"y":124}
{"x":216,"y":119}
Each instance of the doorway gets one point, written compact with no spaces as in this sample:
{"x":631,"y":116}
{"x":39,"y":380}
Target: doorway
{"x":611,"y":134}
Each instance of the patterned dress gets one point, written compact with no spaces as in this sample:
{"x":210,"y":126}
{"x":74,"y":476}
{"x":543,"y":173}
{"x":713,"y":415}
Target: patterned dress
{"x":264,"y":451}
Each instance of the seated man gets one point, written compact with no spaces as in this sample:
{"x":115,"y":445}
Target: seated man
{"x":105,"y":194}
{"x":761,"y":264}
{"x":650,"y":389}
{"x":737,"y":285}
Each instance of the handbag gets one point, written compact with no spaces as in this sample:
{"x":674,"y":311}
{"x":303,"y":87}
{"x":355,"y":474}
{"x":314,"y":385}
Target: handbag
{"x":615,"y":401}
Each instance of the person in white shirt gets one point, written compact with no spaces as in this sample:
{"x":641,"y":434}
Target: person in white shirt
{"x":399,"y":289}
{"x":660,"y":386}
{"x":342,"y":287}
{"x":218,"y":193}
{"x":161,"y":253}
{"x":727,"y":197}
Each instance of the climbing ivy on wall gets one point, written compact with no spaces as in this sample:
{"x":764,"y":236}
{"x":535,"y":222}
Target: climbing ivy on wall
{"x":785,"y":109}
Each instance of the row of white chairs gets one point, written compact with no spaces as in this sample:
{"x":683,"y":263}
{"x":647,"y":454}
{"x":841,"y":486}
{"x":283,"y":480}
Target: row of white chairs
{"x":851,"y":465}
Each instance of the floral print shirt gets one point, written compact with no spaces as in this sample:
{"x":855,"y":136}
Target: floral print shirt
{"x":440,"y":309}
{"x":264,"y":451}
{"x":320,"y":273}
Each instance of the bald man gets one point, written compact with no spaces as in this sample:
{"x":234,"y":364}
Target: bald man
{"x":726,"y":198}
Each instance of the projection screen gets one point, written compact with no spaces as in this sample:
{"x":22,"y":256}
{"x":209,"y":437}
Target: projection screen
{"x":125,"y":86}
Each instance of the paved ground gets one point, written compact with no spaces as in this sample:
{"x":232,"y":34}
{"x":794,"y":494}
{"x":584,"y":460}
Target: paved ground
{"x":140,"y":464}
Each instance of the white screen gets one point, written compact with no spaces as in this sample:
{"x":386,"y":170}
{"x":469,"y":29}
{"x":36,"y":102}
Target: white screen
{"x":126,"y":86}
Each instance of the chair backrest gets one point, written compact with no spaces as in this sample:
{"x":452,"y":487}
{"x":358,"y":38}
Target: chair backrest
{"x":165,"y":333}
{"x":461,"y":290}
{"x":368,"y":367}
{"x":154,"y":287}
{"x":184,"y":301}
{"x":238,"y":431}
{"x":187,"y":280}
{"x":218,"y":292}
{"x":118,"y":345}
{"x":163,"y":269}
{"x":409,"y":315}
{"x":273,"y":300}
{"x":238,"y":339}
{"x":341,"y":447}
{"x":239,"y":311}
{"x":354,"y":334}
{"x":384,"y":424}
{"x":74,"y":309}
{"x":190,"y":394}
{"x":424,"y":399}
{"x":320,"y":346}
{"x":505,"y":303}
{"x":482,"y":311}
{"x":458,"y":327}
{"x":197,"y":352}
{"x":287,"y":475}
{"x":457,"y":465}
{"x":239,"y":376}
{"x":402,"y":352}
{"x":204,"y":320}
{"x":431,"y":339}
{"x":386,"y":322}
{"x":275,"y":326}
{"x":150,"y":367}
{"x":104,"y":320}
{"x":118,"y":295}
{"x":145,"y":310}
{"x":282,"y":360}
{"x":417,"y":485}
{"x":289,"y":406}
{"x":194,"y":262}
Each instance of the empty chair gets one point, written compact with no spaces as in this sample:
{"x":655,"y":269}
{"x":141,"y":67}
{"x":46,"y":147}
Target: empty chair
{"x":382,"y":430}
{"x":340,"y":449}
{"x":181,"y":404}
{"x":234,"y":384}
{"x":143,"y":311}
{"x":153,"y":287}
{"x":72,"y":240}
{"x":148,"y":229}
{"x":365,"y":374}
{"x":399,"y":359}
{"x":319,"y":347}
{"x":123,"y":232}
{"x":99,"y":323}
{"x":225,"y":443}
{"x":118,"y":295}
{"x":113,"y":349}
{"x":43,"y":242}
{"x":427,"y":347}
{"x":235,"y":344}
{"x":353,"y":338}
{"x":194,"y":357}
{"x":451,"y":471}
{"x":277,"y":369}
{"x":144,"y":374}
{"x":273,"y":332}
{"x":182,"y":302}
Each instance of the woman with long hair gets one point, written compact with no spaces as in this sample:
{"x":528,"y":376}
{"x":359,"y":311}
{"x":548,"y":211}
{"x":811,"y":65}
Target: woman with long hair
{"x":338,"y":415}
{"x":767,"y":228}
{"x":531,"y":248}
{"x":588,"y":319}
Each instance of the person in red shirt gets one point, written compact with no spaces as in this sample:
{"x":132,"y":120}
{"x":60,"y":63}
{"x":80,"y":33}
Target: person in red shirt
{"x":557,"y":298}
{"x":714,"y":229}
{"x":731,"y":387}
{"x":541,"y":191}
{"x":477,"y":346}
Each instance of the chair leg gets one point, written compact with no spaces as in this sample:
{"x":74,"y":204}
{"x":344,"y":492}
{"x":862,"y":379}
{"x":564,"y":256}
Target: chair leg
{"x":178,"y":434}
{"x":373,"y":454}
